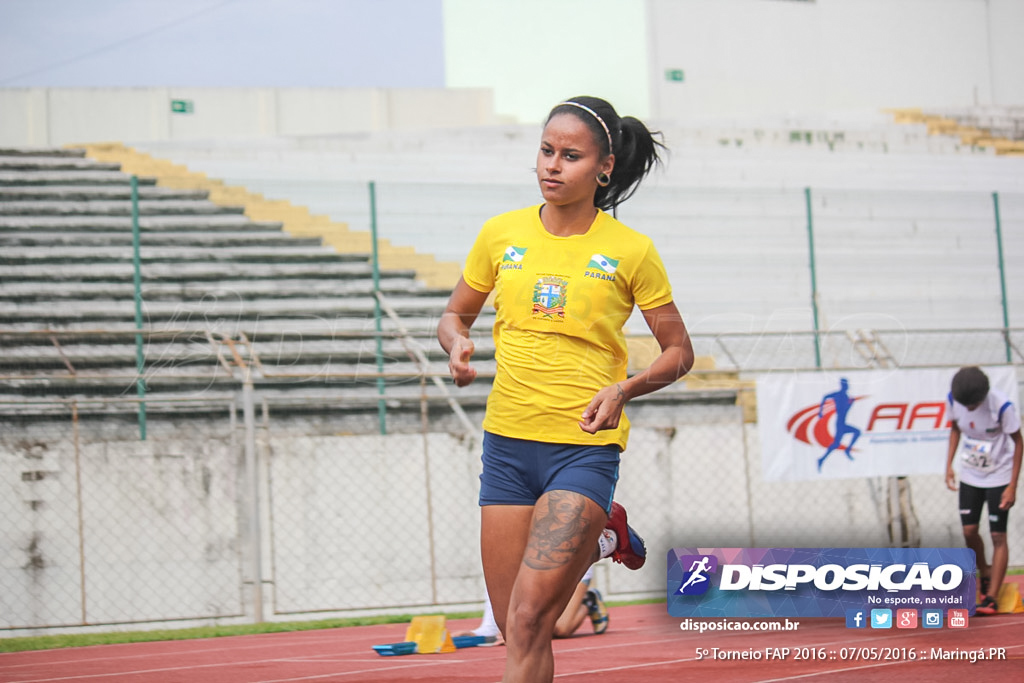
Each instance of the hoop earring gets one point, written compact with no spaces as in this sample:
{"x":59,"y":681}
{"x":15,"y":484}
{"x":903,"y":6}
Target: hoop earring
{"x":603,"y":179}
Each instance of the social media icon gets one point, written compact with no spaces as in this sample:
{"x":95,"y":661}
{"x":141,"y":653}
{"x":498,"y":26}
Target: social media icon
{"x":958,"y":618}
{"x":881,"y":618}
{"x":856,"y":618}
{"x":931,"y":618}
{"x":906,"y":618}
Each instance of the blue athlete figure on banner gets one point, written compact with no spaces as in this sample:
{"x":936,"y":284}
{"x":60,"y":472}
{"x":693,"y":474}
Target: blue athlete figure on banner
{"x":842,"y":401}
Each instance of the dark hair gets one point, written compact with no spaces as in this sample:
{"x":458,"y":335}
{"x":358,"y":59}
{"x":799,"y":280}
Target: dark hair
{"x":970,"y":386}
{"x":635,"y":147}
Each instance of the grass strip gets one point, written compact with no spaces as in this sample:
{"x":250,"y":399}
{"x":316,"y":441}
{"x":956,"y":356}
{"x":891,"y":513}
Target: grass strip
{"x":52,"y":642}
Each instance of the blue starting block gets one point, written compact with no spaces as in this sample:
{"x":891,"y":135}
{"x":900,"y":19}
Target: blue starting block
{"x":393,"y":649}
{"x":409,"y":647}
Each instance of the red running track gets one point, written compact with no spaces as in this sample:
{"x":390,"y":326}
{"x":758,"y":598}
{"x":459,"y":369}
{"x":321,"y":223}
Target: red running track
{"x":642,"y":643}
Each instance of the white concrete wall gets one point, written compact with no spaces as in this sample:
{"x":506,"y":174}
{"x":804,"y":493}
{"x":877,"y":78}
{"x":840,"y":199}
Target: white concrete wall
{"x":365,"y":522}
{"x":1005,"y":23}
{"x":746,"y":58}
{"x":60,"y":116}
{"x":535,"y":53}
{"x":111,"y":532}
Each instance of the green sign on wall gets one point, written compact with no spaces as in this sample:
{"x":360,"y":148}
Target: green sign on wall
{"x":181,"y":106}
{"x":675,"y":75}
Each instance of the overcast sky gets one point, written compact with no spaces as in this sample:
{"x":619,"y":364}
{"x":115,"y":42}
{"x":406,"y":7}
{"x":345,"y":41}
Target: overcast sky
{"x":315,"y":43}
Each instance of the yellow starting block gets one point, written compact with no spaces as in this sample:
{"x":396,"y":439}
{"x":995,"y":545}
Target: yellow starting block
{"x":1009,"y":601}
{"x":430,"y":633}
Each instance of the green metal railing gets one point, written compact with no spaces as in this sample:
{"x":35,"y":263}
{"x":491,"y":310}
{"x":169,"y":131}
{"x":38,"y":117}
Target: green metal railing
{"x":140,"y":353}
{"x":814,"y":275}
{"x":378,"y":315}
{"x":1002,"y":273}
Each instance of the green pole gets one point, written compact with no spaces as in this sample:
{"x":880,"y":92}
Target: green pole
{"x":140,"y":360}
{"x":377,"y":313}
{"x":1002,"y":277}
{"x":814,"y":275}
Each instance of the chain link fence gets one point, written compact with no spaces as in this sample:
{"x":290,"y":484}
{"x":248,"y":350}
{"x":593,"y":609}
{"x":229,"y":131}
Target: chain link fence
{"x":245,"y":504}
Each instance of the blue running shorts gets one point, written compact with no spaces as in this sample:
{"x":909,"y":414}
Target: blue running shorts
{"x":518,"y":471}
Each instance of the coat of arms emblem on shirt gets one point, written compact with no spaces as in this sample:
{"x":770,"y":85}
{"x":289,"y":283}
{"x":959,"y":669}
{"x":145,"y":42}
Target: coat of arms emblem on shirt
{"x":549,"y":297}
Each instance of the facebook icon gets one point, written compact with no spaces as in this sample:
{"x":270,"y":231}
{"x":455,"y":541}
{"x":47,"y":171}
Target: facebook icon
{"x":856,"y":618}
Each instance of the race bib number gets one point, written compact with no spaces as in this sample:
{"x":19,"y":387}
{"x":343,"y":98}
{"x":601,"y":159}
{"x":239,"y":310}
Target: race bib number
{"x":976,"y":453}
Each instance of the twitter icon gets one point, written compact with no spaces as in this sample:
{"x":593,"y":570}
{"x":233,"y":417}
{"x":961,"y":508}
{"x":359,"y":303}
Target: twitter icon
{"x":881,"y":618}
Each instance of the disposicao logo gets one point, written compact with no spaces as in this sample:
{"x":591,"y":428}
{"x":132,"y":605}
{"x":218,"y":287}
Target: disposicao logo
{"x":817,"y":582}
{"x":697,"y":580}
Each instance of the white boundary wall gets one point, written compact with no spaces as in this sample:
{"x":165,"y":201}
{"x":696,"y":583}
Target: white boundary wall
{"x":39,"y":117}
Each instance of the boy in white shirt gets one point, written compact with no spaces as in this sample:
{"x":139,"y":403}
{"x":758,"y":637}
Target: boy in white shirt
{"x":986,"y":433}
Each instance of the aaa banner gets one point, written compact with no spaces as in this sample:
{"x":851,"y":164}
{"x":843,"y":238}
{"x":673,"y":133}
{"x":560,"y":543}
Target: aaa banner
{"x":863,"y":423}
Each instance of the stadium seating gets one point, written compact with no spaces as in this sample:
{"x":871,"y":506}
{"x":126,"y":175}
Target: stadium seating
{"x":1000,"y":129}
{"x":223,"y":297}
{"x":239,"y":273}
{"x":903,"y":220}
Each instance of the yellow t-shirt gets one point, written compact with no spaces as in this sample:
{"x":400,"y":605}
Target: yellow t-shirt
{"x":561,"y":303}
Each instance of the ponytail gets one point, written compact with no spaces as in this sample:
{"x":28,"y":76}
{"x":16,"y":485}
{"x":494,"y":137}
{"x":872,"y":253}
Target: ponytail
{"x":636,"y":148}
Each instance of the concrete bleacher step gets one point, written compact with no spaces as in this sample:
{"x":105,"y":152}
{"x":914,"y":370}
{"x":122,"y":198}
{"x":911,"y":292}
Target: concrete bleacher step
{"x":148,"y":207}
{"x":163,"y":381}
{"x":218,"y":393}
{"x":238,"y":254}
{"x":288,"y":354}
{"x":70,"y":177}
{"x":261,"y":334}
{"x":350,"y":267}
{"x":102,"y":311}
{"x":339,"y":378}
{"x":43,"y":163}
{"x":228,"y":222}
{"x":41,"y":238}
{"x":196,"y":359}
{"x":44,"y":290}
{"x":60,"y":152}
{"x":94,"y":193}
{"x":217,"y":398}
{"x":353,"y":359}
{"x":266,"y":326}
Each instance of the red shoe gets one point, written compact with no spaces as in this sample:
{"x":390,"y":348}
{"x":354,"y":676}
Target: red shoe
{"x":987,"y":606}
{"x":630,"y":549}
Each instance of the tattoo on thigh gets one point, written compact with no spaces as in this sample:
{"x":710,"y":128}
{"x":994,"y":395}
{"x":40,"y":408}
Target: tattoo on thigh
{"x":556,"y":536}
